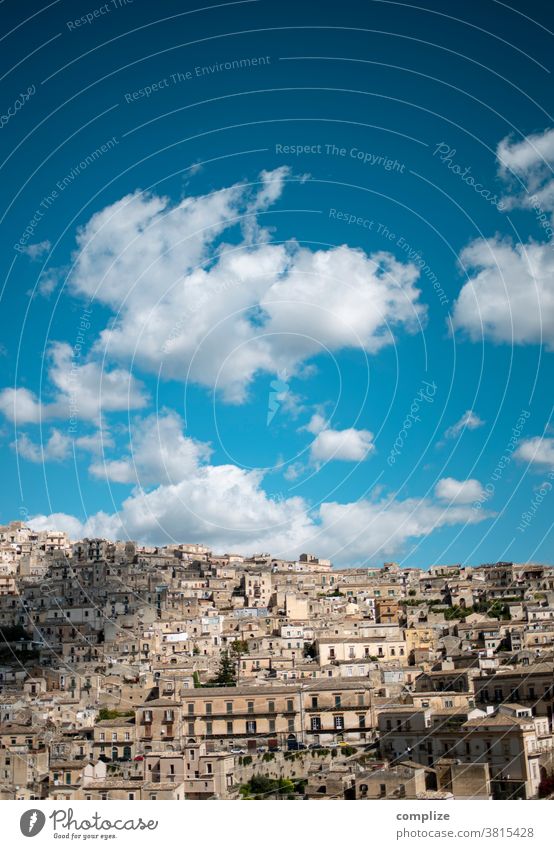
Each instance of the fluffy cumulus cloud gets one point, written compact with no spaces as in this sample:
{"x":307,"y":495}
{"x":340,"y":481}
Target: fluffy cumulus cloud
{"x":80,"y":390}
{"x":348,"y":444}
{"x":179,"y":495}
{"x":20,"y":405}
{"x":200,"y":294}
{"x":159,"y":452}
{"x":469,"y":421}
{"x":228,"y":508}
{"x":459,"y":492}
{"x":57,"y":447}
{"x":537,"y":451}
{"x":330,"y":444}
{"x":373,"y":530}
{"x":528,"y":158}
{"x":204,"y":310}
{"x":509,"y":294}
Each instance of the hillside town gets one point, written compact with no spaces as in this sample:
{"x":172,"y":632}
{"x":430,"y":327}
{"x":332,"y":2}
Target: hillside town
{"x":141,"y":672}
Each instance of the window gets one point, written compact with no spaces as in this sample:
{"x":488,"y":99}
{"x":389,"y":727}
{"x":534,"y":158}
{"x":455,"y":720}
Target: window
{"x":127,"y":736}
{"x":272,"y":725}
{"x":190,"y":707}
{"x":250,"y":707}
{"x":208,"y":707}
{"x":131,"y":796}
{"x":361,"y":720}
{"x":290,"y":724}
{"x":338,"y":722}
{"x":337,"y":700}
{"x":229,"y":727}
{"x":316,"y":723}
{"x":271,"y":706}
{"x":251,"y":726}
{"x":229,"y":707}
{"x":190,"y":731}
{"x":290,"y":705}
{"x":114,"y":736}
{"x":209,"y":728}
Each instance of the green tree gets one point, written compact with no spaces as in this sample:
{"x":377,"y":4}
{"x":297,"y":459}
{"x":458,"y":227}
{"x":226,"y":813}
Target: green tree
{"x":226,"y":674}
{"x":239,"y":647}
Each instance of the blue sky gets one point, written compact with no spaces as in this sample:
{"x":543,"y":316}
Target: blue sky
{"x":279,"y":277}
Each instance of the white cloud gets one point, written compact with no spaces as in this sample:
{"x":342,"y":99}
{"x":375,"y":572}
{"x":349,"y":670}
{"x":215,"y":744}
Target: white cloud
{"x":99,"y":525}
{"x":80,"y":390}
{"x":217,"y":314}
{"x":57,"y":447}
{"x":469,"y":421}
{"x":37,"y":250}
{"x":159,"y":452}
{"x":525,"y":157}
{"x":227,"y":507}
{"x":317,"y":423}
{"x":510,"y":293}
{"x":96,"y":442}
{"x":366,"y":530}
{"x":459,"y":492}
{"x":538,"y":451}
{"x":329,"y":444}
{"x":20,"y":405}
{"x":60,"y":445}
{"x":348,"y":444}
{"x":509,"y":296}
